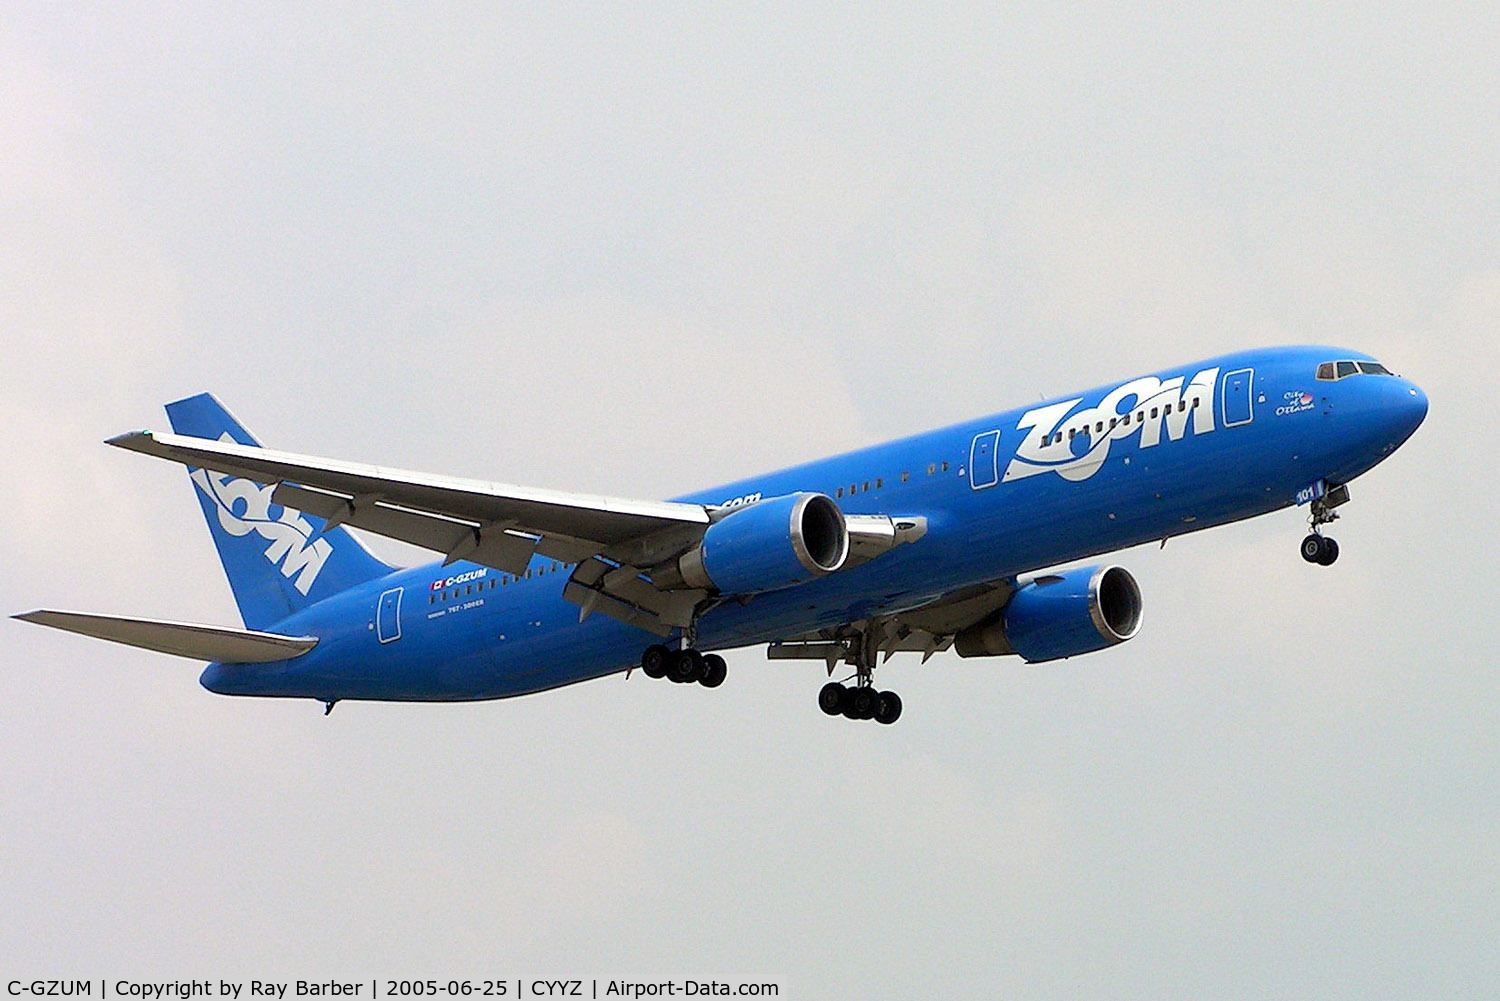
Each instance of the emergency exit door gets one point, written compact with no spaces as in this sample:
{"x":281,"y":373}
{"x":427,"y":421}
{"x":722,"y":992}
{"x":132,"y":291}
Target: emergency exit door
{"x":388,"y":617}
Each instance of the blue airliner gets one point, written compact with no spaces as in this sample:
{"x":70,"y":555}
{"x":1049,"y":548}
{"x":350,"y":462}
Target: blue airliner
{"x":938,"y":541}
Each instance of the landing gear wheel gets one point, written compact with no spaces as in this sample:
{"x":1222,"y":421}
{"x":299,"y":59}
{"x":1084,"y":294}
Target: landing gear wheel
{"x":714,"y":671}
{"x":889,"y":708}
{"x":1329,"y":554}
{"x":655,"y":660}
{"x":865,"y":702}
{"x":1312,"y":548}
{"x":831,"y":698}
{"x":685,"y":666}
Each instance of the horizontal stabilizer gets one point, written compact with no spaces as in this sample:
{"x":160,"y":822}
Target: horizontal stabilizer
{"x":182,"y":639}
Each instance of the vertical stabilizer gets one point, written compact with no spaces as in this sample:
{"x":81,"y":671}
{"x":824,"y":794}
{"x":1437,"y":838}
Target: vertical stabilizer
{"x":278,"y":560}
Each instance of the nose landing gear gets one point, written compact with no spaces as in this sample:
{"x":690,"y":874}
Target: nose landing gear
{"x":1317,"y":547}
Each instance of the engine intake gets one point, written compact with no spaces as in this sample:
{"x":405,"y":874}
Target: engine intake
{"x":765,"y":546}
{"x":1060,"y":615}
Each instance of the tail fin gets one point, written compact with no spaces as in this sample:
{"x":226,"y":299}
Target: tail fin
{"x":278,"y":560}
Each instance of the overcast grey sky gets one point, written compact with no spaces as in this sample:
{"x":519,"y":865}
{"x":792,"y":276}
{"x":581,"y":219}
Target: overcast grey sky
{"x":642,"y":249}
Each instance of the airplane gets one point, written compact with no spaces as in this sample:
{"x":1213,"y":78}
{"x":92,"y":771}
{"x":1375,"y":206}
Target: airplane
{"x":946,"y":540}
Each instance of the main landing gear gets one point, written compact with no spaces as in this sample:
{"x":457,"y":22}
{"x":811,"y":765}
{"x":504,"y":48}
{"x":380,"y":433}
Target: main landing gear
{"x":861,"y":701}
{"x":684,"y":666}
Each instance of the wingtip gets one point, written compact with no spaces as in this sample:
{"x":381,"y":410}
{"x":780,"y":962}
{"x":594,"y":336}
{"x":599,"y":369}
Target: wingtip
{"x":130,"y":439}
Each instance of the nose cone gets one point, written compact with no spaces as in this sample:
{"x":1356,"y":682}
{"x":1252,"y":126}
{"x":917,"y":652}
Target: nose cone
{"x":1409,"y":410}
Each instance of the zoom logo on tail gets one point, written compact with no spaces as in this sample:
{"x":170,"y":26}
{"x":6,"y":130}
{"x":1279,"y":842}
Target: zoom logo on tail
{"x":293,"y":549}
{"x":1142,"y":406}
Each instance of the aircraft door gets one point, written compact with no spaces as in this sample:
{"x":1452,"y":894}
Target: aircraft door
{"x":984,"y":470}
{"x":1238,"y":406}
{"x":388,"y":616}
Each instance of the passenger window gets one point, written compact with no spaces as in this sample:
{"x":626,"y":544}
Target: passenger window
{"x":867,"y":486}
{"x":1154,"y":413}
{"x":1167,"y":409}
{"x":1346,"y":368}
{"x":905,"y":477}
{"x":1071,"y":433}
{"x":945,"y":467}
{"x":931,"y":468}
{"x":1140,"y":415}
{"x":1099,"y":427}
{"x":879,"y":483}
{"x":554,"y":568}
{"x":839,"y":492}
{"x":1112,"y":422}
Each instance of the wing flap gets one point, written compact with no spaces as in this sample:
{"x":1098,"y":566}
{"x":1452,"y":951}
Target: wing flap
{"x":181,"y":639}
{"x":457,"y":539}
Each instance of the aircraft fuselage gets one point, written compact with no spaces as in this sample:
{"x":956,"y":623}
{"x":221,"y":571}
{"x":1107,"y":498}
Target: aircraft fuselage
{"x":1005,"y":495}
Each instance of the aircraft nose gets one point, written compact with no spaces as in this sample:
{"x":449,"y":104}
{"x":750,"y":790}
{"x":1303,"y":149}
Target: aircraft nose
{"x":1413,"y":408}
{"x":1402,"y":407}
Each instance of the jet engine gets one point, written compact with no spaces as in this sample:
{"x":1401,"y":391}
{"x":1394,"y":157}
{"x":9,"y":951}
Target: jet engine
{"x":771,"y":544}
{"x":1060,"y":615}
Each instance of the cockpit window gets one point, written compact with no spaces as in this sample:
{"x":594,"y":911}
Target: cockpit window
{"x":1331,"y":371}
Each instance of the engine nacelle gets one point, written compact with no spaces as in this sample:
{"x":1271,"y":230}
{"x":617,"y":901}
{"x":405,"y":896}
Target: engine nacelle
{"x":768,"y":545}
{"x":1060,"y":615}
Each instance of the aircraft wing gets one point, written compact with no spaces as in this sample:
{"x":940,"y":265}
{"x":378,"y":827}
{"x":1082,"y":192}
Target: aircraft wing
{"x":496,"y":524}
{"x":613,"y":541}
{"x":181,"y":639}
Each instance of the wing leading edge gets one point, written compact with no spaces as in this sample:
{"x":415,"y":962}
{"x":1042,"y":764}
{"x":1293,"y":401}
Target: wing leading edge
{"x":497,"y":524}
